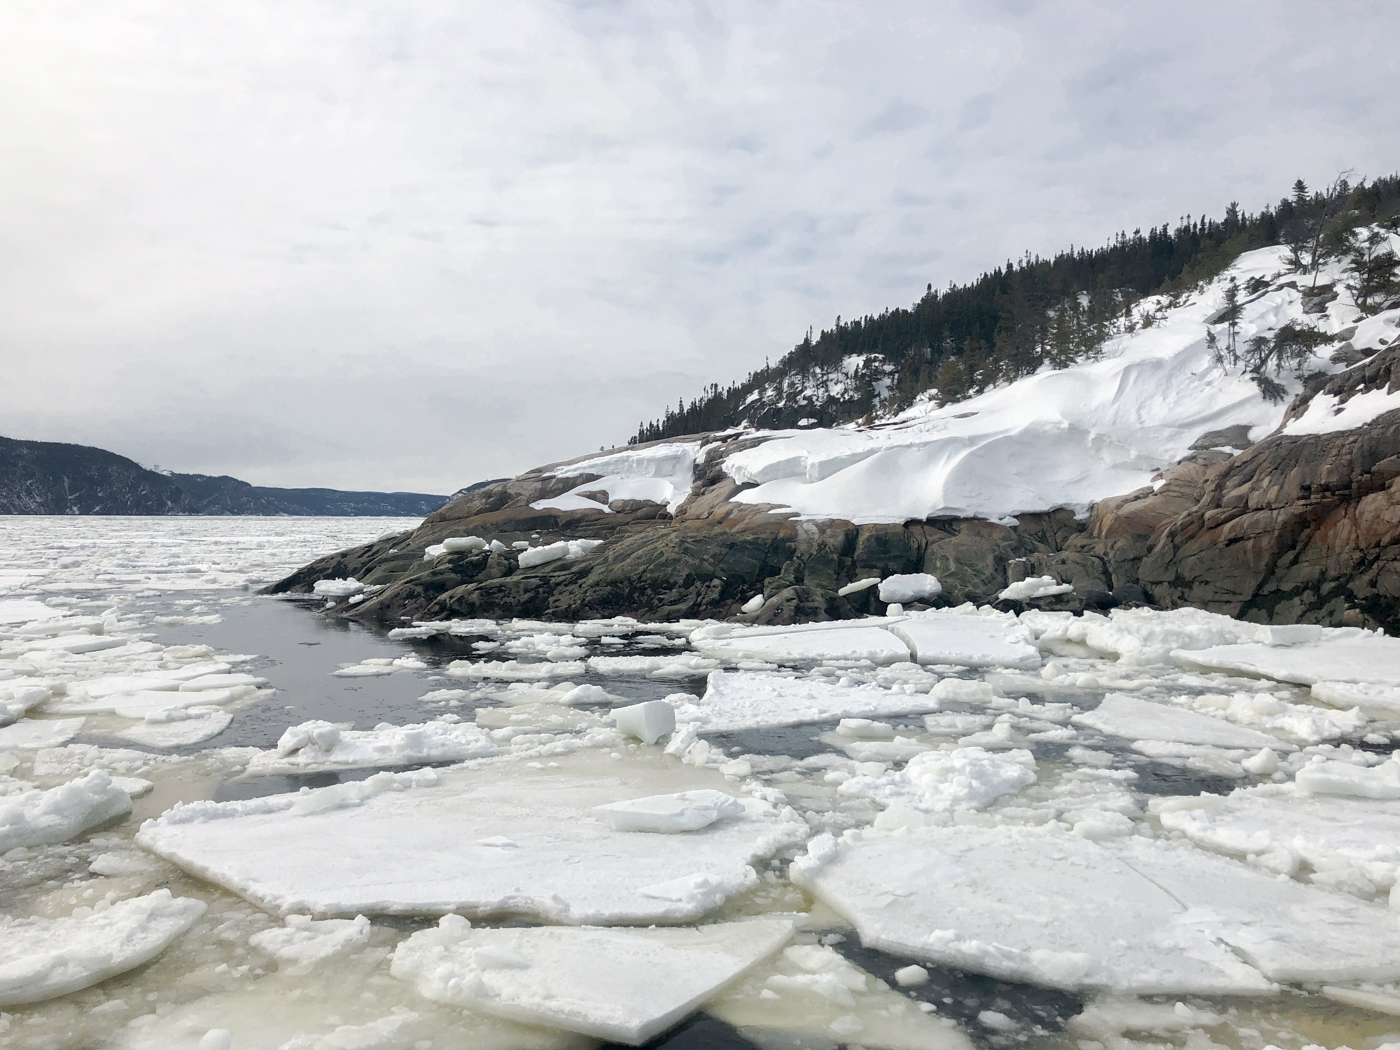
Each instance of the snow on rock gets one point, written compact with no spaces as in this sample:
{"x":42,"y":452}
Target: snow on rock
{"x":836,"y":640}
{"x":1135,"y":719}
{"x":1063,"y":437}
{"x":320,"y":745}
{"x":648,"y":721}
{"x":32,"y":733}
{"x":967,"y":778}
{"x":1344,"y":654}
{"x":1281,"y":828}
{"x":43,"y":958}
{"x":670,"y":814}
{"x":909,"y":587}
{"x":970,"y":637}
{"x":1326,"y":415}
{"x":659,"y":474}
{"x":303,"y":941}
{"x":337,"y":588}
{"x":1009,"y":902}
{"x":1034,"y":587}
{"x":501,"y":839}
{"x":743,"y":700}
{"x":615,"y":984}
{"x":43,"y":818}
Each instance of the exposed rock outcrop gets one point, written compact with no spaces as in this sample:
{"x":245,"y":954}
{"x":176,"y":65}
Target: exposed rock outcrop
{"x":1293,"y":529}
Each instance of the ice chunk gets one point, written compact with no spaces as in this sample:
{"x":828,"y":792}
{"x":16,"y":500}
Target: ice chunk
{"x":458,"y":544}
{"x":544,"y":555}
{"x":969,"y":639}
{"x":826,"y":641}
{"x":963,"y":690}
{"x":1281,"y":828}
{"x":909,"y":587}
{"x":1382,"y":699}
{"x":648,"y":721}
{"x":672,"y":665}
{"x":1344,"y":655}
{"x":619,"y":985}
{"x":586,"y":694}
{"x":967,"y":778}
{"x":43,"y":958}
{"x":857,"y":586}
{"x":177,"y":727}
{"x":319,"y":745}
{"x":33,"y":733}
{"x":19,"y":695}
{"x":304,"y":941}
{"x":25,"y":610}
{"x":1034,"y":587}
{"x":910,"y":976}
{"x":668,"y":814}
{"x":367,"y":848}
{"x":752,"y":605}
{"x":1264,"y":764}
{"x":337,"y":588}
{"x":1136,"y":719}
{"x":1324,"y":777}
{"x":1010,"y":902}
{"x":743,"y":700}
{"x":205,"y":682}
{"x":43,"y":818}
{"x":515,"y":669}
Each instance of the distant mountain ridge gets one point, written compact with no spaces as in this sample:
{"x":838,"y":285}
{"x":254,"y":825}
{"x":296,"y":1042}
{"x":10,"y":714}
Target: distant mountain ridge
{"x":46,"y":477}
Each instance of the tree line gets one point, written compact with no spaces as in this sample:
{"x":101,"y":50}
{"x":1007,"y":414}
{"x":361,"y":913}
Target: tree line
{"x":959,"y":341}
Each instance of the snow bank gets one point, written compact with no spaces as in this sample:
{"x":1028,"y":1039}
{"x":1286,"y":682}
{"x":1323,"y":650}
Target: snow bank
{"x":1058,"y":438}
{"x":319,"y":745}
{"x":1325,"y":414}
{"x":505,"y":838}
{"x":659,"y":474}
{"x":43,"y":958}
{"x":619,"y":985}
{"x":42,"y":818}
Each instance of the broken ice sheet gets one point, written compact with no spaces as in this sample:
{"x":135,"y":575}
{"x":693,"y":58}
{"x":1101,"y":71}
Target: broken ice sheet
{"x":1136,"y":719}
{"x":42,"y":818}
{"x":43,"y":958}
{"x":320,"y":745}
{"x":838,"y":640}
{"x":500,"y":839}
{"x":30,"y":734}
{"x":176,"y":727}
{"x":618,"y":984}
{"x":969,"y":637}
{"x":743,"y":700}
{"x":1346,"y":654}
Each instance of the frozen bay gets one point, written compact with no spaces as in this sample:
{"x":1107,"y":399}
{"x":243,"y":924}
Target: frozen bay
{"x":147,"y":685}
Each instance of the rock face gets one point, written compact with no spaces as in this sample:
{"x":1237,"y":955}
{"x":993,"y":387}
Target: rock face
{"x":1293,"y":529}
{"x":44,"y":477}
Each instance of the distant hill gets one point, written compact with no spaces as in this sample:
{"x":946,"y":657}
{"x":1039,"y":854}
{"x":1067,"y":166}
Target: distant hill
{"x":45,"y":477}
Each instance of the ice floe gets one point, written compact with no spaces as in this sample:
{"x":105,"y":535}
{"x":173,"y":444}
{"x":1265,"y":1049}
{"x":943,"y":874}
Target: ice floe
{"x":41,"y":818}
{"x":623,"y":985}
{"x":33,"y":733}
{"x":1343,"y":655}
{"x":965,"y":778}
{"x":1136,"y":719}
{"x":320,"y":745}
{"x":501,"y":839}
{"x":837,"y":640}
{"x":43,"y":958}
{"x":303,"y":941}
{"x":972,"y":638}
{"x":744,"y":700}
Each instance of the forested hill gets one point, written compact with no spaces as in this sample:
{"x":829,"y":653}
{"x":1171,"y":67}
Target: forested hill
{"x":957,"y":342}
{"x":44,"y":477}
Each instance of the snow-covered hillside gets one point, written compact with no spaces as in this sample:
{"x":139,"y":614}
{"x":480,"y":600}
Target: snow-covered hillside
{"x":1059,"y":438}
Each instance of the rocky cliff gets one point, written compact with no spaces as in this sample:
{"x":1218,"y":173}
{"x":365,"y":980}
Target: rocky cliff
{"x":1296,"y":528}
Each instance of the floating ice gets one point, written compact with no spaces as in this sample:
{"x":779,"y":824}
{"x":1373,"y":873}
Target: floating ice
{"x":1282,"y":828}
{"x":586,"y":694}
{"x":909,"y":587}
{"x":672,"y":665}
{"x":648,"y":721}
{"x":25,"y":610}
{"x":515,"y":670}
{"x":1323,"y":777}
{"x":42,"y":818}
{"x":42,"y":958}
{"x":1011,"y":903}
{"x":838,"y":640}
{"x":743,"y":700}
{"x":304,"y":941}
{"x":176,"y":727}
{"x":32,"y":733}
{"x":670,"y":814}
{"x":366,"y":848}
{"x":1343,"y":655}
{"x":318,"y":745}
{"x":970,"y":638}
{"x":1136,"y":719}
{"x":19,"y":695}
{"x":619,"y":985}
{"x":967,"y":778}
{"x":1379,"y":698}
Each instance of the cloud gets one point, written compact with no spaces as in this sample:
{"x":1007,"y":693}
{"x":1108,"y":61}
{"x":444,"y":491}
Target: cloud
{"x":411,"y":246}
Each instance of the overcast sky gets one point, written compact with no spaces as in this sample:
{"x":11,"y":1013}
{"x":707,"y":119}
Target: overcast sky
{"x":415,"y":245}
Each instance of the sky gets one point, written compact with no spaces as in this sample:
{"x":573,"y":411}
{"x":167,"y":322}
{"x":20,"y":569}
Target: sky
{"x":413,"y":246}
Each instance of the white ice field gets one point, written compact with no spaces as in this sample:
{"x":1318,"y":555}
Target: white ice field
{"x":945,"y":830}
